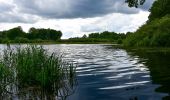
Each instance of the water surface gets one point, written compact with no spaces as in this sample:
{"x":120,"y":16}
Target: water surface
{"x":108,"y":73}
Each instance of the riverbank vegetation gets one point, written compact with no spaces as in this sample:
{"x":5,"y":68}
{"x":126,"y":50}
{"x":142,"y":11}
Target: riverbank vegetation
{"x":17,"y":35}
{"x":103,"y":37}
{"x":156,"y":31}
{"x":32,"y":68}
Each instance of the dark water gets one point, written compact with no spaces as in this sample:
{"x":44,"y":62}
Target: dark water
{"x":107,"y":73}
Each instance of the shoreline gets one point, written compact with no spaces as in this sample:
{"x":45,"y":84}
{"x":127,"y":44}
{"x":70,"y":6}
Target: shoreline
{"x":64,"y":43}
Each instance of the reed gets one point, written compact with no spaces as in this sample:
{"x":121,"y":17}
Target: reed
{"x":33,"y":66}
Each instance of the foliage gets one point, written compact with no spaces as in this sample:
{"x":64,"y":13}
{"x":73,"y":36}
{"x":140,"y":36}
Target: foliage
{"x":21,"y":40}
{"x":155,"y":33}
{"x":5,"y":74}
{"x":103,"y":37}
{"x":15,"y":32}
{"x":17,"y":35}
{"x":107,"y":35}
{"x":160,"y":8}
{"x":44,"y":34}
{"x":134,"y":3}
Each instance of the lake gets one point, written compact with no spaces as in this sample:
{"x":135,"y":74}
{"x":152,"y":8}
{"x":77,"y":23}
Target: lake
{"x":108,"y":73}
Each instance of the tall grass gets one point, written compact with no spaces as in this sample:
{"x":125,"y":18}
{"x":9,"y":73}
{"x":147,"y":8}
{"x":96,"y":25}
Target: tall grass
{"x":32,"y":67}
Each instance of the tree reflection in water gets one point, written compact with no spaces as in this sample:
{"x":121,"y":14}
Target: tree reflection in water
{"x":158,"y":62}
{"x":13,"y":92}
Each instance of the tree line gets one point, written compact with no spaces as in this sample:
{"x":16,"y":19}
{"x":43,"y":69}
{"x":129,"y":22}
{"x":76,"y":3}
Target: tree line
{"x":34,"y":35}
{"x":102,"y":37}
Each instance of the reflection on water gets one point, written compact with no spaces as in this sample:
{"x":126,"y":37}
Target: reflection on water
{"x":158,"y":63}
{"x":30,"y":94}
{"x":107,"y":73}
{"x":32,"y":74}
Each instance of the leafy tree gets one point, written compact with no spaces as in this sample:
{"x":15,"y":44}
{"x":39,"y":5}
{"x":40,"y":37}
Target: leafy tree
{"x":15,"y":32}
{"x":18,"y":35}
{"x":134,"y":3}
{"x":44,"y":34}
{"x":159,"y":9}
{"x":94,"y":35}
{"x":32,"y":34}
{"x":107,"y":35}
{"x":84,"y":36}
{"x":154,"y":33}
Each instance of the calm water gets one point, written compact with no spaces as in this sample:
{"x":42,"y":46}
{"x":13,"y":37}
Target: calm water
{"x":107,"y":73}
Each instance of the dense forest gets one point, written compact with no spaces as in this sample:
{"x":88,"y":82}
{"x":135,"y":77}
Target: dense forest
{"x":17,"y":35}
{"x":156,"y":31}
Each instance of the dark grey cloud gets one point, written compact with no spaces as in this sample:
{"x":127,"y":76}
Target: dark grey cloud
{"x":6,"y":14}
{"x":17,"y":18}
{"x":76,"y":8}
{"x":4,"y":7}
{"x":9,"y":14}
{"x":8,"y":18}
{"x":28,"y":11}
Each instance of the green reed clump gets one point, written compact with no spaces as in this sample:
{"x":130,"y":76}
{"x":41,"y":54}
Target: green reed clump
{"x":33,"y":66}
{"x":6,"y":71}
{"x":4,"y":76}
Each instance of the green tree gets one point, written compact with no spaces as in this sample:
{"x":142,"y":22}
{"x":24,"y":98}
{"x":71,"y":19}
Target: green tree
{"x":44,"y":34}
{"x":159,"y":9}
{"x":84,"y":36}
{"x":156,"y":31}
{"x":15,"y":32}
{"x":32,"y":34}
{"x":94,"y":35}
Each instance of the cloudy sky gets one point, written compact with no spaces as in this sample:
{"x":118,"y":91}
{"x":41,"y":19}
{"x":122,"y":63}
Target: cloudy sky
{"x":73,"y":17}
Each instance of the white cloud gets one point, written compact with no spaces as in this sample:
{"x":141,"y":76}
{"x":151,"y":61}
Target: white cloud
{"x":77,"y":27}
{"x":81,"y":17}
